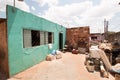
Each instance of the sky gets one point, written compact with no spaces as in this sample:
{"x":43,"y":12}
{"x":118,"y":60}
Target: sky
{"x":72,"y":13}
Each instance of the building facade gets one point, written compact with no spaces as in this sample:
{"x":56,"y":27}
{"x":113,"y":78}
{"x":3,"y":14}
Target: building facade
{"x":98,"y":37}
{"x":27,"y":39}
{"x":113,"y":37}
{"x":78,"y":37}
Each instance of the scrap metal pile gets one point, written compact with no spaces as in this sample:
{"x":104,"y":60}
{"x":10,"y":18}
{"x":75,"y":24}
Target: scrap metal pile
{"x":100,"y":59}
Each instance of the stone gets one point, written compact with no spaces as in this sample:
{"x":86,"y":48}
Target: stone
{"x":49,"y":57}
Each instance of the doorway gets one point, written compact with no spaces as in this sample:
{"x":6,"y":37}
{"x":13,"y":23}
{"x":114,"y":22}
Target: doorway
{"x":60,"y":41}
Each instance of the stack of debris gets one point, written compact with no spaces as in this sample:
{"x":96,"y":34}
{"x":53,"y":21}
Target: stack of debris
{"x":65,"y":49}
{"x":101,"y":62}
{"x":90,"y":65}
{"x":50,"y":57}
{"x":116,"y":52}
{"x":108,"y":67}
{"x":94,"y":57}
{"x":75,"y":51}
{"x":54,"y":55}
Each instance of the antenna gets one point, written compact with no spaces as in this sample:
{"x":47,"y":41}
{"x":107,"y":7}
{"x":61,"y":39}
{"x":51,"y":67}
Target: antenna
{"x":106,"y":29}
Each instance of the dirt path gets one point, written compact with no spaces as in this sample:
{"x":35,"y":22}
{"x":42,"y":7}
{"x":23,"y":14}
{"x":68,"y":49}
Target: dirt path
{"x":70,"y":67}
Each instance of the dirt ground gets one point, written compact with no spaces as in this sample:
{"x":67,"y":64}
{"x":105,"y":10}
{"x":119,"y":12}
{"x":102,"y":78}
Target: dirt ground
{"x":69,"y":67}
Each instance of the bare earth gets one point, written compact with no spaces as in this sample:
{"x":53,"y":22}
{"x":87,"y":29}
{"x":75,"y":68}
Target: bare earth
{"x":69,"y":67}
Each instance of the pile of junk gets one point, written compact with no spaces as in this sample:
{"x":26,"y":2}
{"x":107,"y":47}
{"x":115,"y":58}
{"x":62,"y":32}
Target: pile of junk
{"x":101,"y":58}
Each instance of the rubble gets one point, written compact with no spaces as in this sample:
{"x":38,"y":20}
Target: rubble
{"x":58,"y":54}
{"x":104,"y":46}
{"x":75,"y":51}
{"x":117,"y":77}
{"x":103,"y":72}
{"x":54,"y":55}
{"x":101,"y":60}
{"x":50,"y":57}
{"x":90,"y":66}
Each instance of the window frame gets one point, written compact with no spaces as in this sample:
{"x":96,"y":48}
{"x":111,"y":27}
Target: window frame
{"x":45,"y":40}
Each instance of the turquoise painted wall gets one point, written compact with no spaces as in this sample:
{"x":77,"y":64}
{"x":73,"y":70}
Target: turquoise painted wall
{"x":22,"y":58}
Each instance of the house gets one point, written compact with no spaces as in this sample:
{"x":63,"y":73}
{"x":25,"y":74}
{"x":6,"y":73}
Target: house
{"x":96,"y":37}
{"x":25,"y":39}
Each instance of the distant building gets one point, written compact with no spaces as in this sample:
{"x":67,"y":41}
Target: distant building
{"x":98,"y":37}
{"x":25,"y":39}
{"x":113,"y":37}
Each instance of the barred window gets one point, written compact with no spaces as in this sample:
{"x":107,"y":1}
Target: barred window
{"x":33,"y":38}
{"x":50,"y":37}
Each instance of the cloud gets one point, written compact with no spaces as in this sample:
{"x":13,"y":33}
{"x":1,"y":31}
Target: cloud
{"x":24,"y":6}
{"x":3,"y":4}
{"x":67,"y":12}
{"x":19,"y":4}
{"x":83,"y":14}
{"x":107,"y":8}
{"x":33,"y":8}
{"x":48,"y":2}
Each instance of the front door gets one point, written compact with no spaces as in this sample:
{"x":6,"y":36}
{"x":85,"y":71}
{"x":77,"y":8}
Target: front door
{"x":60,"y":41}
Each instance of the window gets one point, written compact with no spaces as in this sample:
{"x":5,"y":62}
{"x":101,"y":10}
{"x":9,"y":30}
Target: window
{"x":33,"y":38}
{"x":50,"y":37}
{"x":94,"y":38}
{"x":42,"y":38}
